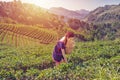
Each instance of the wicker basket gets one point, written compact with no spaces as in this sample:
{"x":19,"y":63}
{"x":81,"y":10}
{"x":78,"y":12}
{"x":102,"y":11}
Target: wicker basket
{"x":70,"y":45}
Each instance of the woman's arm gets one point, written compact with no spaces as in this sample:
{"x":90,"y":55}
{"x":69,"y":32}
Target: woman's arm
{"x":63,"y":53}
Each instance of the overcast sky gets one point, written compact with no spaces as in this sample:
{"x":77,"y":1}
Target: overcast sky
{"x":71,"y":4}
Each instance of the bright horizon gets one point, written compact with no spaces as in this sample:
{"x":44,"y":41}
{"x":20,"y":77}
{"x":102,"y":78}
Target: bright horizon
{"x":71,"y":4}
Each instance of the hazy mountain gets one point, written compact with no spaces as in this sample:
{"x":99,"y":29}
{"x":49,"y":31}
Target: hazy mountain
{"x":83,"y":12}
{"x":108,"y":13}
{"x":79,"y":14}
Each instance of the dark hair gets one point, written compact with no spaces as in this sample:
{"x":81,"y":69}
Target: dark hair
{"x":69,"y":34}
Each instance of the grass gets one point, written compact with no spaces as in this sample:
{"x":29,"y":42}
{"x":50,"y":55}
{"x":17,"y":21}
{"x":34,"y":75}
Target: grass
{"x":98,"y":60}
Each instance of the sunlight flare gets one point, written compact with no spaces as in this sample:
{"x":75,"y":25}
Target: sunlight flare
{"x":41,"y":3}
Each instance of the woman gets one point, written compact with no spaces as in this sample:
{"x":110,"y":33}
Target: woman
{"x":60,"y":49}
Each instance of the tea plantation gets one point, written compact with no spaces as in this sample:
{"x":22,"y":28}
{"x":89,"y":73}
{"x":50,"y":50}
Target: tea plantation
{"x":99,"y":60}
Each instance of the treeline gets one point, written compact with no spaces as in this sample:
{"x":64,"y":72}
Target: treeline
{"x":108,"y":17}
{"x":105,"y":31}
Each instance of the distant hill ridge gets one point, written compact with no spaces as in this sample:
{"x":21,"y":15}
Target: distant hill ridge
{"x":79,"y":14}
{"x":108,"y":13}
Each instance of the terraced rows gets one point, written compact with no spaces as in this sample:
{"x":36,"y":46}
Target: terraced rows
{"x":23,"y":35}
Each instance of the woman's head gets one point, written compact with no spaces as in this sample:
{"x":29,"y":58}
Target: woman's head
{"x":69,"y":34}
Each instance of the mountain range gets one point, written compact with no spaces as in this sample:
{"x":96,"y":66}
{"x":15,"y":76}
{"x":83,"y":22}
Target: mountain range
{"x":108,"y":13}
{"x":78,"y":14}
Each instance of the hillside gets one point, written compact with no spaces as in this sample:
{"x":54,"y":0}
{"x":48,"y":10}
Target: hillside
{"x":108,"y":13}
{"x":104,"y":22}
{"x":23,"y":35}
{"x":28,"y":14}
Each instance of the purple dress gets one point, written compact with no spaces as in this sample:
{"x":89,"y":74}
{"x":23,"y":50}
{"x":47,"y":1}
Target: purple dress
{"x":57,"y":53}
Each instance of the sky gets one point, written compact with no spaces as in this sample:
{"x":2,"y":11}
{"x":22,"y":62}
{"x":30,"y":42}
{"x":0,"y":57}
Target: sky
{"x":71,"y":4}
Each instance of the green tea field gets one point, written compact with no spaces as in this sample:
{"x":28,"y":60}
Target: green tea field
{"x":98,"y":60}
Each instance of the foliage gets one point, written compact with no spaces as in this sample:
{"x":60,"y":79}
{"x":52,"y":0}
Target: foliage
{"x":20,"y":35}
{"x":89,"y":60}
{"x":105,"y":31}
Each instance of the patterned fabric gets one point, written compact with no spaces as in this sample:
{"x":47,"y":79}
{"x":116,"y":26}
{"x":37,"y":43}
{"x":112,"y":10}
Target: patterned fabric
{"x":57,"y":53}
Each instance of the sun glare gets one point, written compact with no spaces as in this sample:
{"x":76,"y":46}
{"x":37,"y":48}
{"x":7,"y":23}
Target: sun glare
{"x":42,"y":3}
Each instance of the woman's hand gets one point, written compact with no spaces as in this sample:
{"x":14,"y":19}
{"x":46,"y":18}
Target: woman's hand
{"x":63,"y":53}
{"x":65,"y":60}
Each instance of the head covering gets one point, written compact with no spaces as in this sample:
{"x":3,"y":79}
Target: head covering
{"x":69,"y":34}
